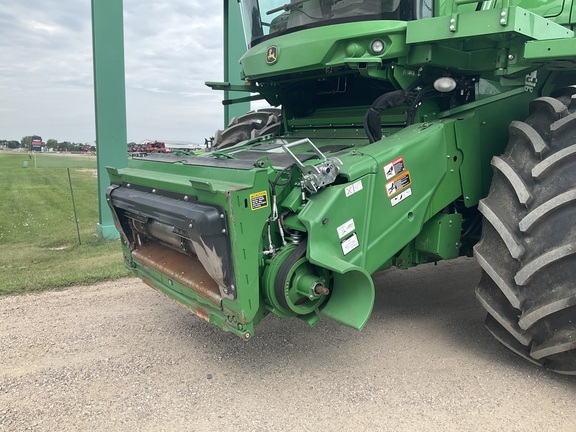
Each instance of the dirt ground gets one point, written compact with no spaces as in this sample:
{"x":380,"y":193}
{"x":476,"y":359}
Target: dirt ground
{"x":120,"y":357}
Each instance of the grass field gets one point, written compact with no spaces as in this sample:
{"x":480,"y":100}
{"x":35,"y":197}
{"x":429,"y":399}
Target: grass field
{"x":38,"y":239}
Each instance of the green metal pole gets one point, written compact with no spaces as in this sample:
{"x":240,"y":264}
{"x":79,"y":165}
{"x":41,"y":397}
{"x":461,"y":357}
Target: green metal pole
{"x":109,"y":100}
{"x":234,"y":48}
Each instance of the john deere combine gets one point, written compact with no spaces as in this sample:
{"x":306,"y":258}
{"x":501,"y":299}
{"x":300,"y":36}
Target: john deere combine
{"x":409,"y":131}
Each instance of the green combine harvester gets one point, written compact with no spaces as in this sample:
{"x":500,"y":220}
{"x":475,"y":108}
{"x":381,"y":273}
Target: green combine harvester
{"x":405,"y":132}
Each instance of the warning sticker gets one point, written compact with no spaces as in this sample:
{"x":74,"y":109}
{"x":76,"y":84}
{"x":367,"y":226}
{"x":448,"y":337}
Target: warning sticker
{"x":346,"y":228}
{"x":353,"y":188}
{"x":401,"y":196}
{"x":398,"y":184}
{"x":394,"y":168}
{"x":258,"y":200}
{"x":350,"y":244}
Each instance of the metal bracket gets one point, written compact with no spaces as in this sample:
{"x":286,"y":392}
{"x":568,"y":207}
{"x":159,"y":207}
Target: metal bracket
{"x":315,"y":177}
{"x":504,"y":16}
{"x":453,"y":26}
{"x":453,"y":22}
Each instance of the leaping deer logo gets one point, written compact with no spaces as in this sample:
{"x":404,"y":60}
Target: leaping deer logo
{"x":272,"y":54}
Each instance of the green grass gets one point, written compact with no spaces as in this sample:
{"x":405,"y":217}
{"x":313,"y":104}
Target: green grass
{"x":38,"y":239}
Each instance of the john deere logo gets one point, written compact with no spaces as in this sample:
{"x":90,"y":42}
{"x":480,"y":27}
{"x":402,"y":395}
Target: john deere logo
{"x":272,"y":55}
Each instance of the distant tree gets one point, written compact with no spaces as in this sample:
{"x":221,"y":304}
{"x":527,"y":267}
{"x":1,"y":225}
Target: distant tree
{"x":26,"y":142}
{"x":13,"y":144}
{"x":52,"y":143}
{"x":65,"y":146}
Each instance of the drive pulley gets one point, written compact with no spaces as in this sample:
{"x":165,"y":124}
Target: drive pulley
{"x":294,"y":286}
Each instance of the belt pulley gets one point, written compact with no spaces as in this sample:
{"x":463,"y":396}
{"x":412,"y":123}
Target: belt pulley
{"x":293,"y":285}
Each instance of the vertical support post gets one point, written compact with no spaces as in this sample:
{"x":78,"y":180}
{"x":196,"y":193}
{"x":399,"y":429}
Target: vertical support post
{"x":234,"y":48}
{"x":109,"y":100}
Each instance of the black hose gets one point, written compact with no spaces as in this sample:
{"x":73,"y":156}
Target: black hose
{"x":372,"y":125}
{"x":423,"y":94}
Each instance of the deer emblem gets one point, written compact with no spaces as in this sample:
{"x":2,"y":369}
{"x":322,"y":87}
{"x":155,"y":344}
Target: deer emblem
{"x":272,"y":54}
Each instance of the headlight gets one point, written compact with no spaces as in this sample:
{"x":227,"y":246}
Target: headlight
{"x":377,"y":46}
{"x":445,"y":84}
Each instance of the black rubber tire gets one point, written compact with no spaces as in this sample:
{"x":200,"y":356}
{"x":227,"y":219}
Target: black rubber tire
{"x":528,"y":246}
{"x":250,"y":125}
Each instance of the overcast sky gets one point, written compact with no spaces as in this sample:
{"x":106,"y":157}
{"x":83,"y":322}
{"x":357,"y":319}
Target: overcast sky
{"x":171,"y":48}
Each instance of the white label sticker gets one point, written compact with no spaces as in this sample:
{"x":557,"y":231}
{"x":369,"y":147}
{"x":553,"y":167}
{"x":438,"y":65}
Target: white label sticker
{"x":401,"y":196}
{"x":353,"y":188}
{"x":346,"y":228}
{"x":350,"y":244}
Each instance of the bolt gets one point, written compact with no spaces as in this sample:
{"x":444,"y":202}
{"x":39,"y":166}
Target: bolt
{"x":321,"y":290}
{"x":247,"y":335}
{"x":190,"y":225}
{"x":153,"y":190}
{"x":185,"y":197}
{"x":224,"y":231}
{"x":221,"y":216}
{"x":502,"y":21}
{"x":452,"y":28}
{"x":503,"y":13}
{"x":511,"y":57}
{"x":127,"y":184}
{"x":452,"y":21}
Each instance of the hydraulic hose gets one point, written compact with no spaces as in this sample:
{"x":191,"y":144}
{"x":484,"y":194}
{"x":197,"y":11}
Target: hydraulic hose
{"x":372,"y":125}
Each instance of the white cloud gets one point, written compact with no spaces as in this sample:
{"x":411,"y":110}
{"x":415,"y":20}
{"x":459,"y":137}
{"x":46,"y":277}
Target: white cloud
{"x":171,"y":49}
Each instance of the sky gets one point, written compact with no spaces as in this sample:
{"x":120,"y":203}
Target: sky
{"x":171,"y":48}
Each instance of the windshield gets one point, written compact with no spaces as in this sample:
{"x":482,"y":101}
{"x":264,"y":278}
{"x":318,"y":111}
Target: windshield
{"x":267,"y":18}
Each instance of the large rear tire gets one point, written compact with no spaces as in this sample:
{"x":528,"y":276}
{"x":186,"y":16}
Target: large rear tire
{"x":250,"y":125}
{"x":528,"y":246}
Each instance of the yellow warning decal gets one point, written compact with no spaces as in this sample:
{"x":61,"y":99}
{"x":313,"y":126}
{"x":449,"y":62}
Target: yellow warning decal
{"x":399,"y":183}
{"x":258,"y":200}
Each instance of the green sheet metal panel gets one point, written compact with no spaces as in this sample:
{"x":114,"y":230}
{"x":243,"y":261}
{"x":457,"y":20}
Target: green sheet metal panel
{"x":485,"y":23}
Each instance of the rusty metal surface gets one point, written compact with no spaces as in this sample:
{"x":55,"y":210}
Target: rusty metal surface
{"x":196,"y":310}
{"x":181,"y":268}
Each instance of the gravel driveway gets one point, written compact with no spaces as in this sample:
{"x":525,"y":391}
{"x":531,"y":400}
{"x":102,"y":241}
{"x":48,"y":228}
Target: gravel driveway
{"x":119,"y":356}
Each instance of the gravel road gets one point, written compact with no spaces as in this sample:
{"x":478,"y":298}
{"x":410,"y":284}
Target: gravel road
{"x":119,"y":356}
